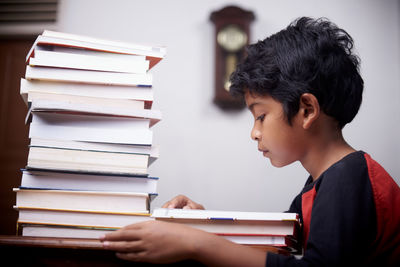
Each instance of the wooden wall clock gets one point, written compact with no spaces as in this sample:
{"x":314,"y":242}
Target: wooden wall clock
{"x":232,"y":34}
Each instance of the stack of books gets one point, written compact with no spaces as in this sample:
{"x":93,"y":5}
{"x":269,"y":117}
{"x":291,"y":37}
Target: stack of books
{"x":90,"y":117}
{"x":249,"y":228}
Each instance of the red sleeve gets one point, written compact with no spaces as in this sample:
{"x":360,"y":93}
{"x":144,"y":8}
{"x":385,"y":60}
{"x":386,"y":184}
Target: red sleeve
{"x":386,"y":195}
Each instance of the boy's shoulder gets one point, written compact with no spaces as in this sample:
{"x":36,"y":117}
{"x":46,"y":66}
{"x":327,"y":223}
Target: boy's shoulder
{"x":355,"y":165}
{"x":355,"y":159}
{"x":359,"y":172}
{"x":349,"y":171}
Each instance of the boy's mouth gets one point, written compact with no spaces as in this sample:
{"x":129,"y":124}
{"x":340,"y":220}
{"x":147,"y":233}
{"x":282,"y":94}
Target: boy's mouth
{"x":264,"y":151}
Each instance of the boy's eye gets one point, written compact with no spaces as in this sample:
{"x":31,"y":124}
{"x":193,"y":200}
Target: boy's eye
{"x":260,"y":118}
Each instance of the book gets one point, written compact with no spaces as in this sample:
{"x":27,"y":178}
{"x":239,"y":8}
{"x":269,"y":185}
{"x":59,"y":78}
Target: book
{"x":74,"y":105}
{"x":42,"y":230}
{"x":90,"y":115}
{"x":76,"y":200}
{"x":126,"y":104}
{"x":90,"y":128}
{"x":59,"y":231}
{"x":152,"y":151}
{"x":232,"y":222}
{"x":153,"y":53}
{"x":54,"y":59}
{"x":88,"y":76}
{"x":57,"y":179}
{"x":79,"y":218}
{"x":251,"y":239}
{"x":80,"y":51}
{"x":77,"y":231}
{"x":87,"y":161}
{"x":289,"y":243}
{"x":90,"y":90}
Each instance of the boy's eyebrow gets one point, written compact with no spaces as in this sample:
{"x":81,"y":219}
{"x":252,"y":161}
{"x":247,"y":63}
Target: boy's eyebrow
{"x":251,"y":107}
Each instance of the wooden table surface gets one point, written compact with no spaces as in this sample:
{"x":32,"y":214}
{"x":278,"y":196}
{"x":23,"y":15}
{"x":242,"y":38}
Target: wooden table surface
{"x":45,"y":251}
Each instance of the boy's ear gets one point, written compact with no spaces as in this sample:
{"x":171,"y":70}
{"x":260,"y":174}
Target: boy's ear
{"x":309,"y":109}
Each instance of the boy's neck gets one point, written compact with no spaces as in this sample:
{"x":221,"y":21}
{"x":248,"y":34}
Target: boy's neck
{"x":324,"y":153}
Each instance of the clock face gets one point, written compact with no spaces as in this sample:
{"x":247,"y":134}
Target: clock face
{"x":232,"y":38}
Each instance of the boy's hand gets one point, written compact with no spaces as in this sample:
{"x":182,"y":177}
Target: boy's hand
{"x":153,"y":241}
{"x":163,"y":242}
{"x":182,"y":202}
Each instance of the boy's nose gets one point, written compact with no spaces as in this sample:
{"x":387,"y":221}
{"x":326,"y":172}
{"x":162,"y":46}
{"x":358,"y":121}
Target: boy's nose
{"x":255,"y":134}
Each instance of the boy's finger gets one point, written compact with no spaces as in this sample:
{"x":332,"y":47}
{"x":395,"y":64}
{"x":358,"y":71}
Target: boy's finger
{"x":177,"y":202}
{"x":193,"y":205}
{"x":134,"y":226}
{"x":123,"y":246}
{"x":166,"y":205}
{"x":127,"y":235}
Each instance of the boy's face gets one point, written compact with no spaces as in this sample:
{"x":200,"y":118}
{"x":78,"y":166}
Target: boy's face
{"x":277,"y":140}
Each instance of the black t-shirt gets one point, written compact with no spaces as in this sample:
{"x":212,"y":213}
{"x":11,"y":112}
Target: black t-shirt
{"x":339,"y":216}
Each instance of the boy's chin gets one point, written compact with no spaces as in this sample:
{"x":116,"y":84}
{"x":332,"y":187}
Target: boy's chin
{"x":279,"y":163}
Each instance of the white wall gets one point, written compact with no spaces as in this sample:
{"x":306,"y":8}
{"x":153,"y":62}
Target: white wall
{"x":207,"y":153}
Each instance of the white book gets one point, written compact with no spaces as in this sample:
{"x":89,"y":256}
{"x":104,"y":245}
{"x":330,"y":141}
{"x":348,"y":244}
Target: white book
{"x":90,"y":128}
{"x":224,"y":215}
{"x":38,"y":230}
{"x":88,"y":201}
{"x":87,"y":62}
{"x":109,"y":103}
{"x":87,"y":161}
{"x":76,"y":105}
{"x":59,"y":231}
{"x":87,"y":90}
{"x":90,"y":182}
{"x":88,"y":76}
{"x":153,"y":53}
{"x":232,"y":222}
{"x":95,"y":40}
{"x":152,"y":151}
{"x":80,"y":51}
{"x":270,"y":240}
{"x":79,"y":218}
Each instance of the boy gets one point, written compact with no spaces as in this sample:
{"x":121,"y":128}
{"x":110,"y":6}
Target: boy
{"x":302,"y":86}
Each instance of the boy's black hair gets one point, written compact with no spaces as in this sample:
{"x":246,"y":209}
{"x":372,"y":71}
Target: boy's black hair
{"x":309,"y":56}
